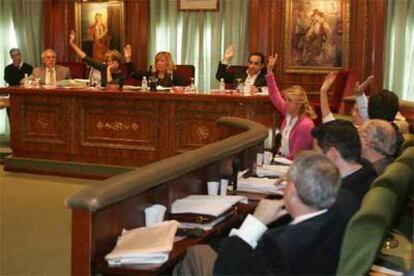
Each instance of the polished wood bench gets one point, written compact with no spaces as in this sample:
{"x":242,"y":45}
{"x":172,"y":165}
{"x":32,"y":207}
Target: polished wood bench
{"x":100,"y":212}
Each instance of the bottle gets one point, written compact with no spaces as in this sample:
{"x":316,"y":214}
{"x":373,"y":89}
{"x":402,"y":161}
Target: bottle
{"x":26,"y":81}
{"x":192,"y":87}
{"x":222,"y":85}
{"x":144,"y":84}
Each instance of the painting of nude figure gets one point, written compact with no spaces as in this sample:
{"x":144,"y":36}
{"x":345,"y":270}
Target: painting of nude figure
{"x":316,"y":35}
{"x":100,"y":26}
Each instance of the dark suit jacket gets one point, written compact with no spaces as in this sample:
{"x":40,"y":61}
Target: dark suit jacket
{"x":117,"y":77}
{"x":353,"y":189}
{"x":232,"y":77}
{"x":169,"y":80}
{"x":309,"y":247}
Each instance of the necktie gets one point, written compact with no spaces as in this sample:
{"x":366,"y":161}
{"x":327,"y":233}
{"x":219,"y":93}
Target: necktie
{"x":52,"y":79}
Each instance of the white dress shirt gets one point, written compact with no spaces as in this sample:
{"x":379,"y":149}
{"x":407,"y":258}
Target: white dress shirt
{"x":50,"y":77}
{"x":252,"y":229}
{"x":290,"y":123}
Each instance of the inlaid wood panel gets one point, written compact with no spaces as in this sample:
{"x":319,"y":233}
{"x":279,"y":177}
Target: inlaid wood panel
{"x":121,"y":128}
{"x":43,"y":126}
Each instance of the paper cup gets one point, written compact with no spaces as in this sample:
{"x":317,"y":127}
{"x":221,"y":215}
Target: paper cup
{"x":223,"y":186}
{"x":154,"y":214}
{"x":212,"y":187}
{"x":267,"y":157}
{"x":259,"y":159}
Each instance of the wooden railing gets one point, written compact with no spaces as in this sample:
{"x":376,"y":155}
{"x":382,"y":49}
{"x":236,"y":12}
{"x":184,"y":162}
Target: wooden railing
{"x":100,"y":212}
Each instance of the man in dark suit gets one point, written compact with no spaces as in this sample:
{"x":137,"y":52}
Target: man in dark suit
{"x":254,"y":76}
{"x":15,"y":72}
{"x":310,"y":244}
{"x":339,"y":141}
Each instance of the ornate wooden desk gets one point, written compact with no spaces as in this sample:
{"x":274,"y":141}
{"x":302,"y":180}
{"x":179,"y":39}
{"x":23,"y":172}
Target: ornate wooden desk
{"x":75,"y":127}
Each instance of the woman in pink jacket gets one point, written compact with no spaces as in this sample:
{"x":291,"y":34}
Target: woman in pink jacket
{"x":297,"y":124}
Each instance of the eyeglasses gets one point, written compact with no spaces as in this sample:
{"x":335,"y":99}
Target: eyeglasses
{"x":254,"y":62}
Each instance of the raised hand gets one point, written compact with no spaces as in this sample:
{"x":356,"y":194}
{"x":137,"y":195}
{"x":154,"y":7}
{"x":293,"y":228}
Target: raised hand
{"x":360,"y":88}
{"x":329,"y":79}
{"x":72,"y":36}
{"x":128,"y":52}
{"x":268,"y":210}
{"x":229,"y":53}
{"x":271,"y":61}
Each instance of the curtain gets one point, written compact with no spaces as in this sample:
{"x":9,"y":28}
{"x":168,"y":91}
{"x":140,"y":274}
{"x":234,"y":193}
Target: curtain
{"x":5,"y":44}
{"x":199,"y":38}
{"x":26,"y":34}
{"x":29,"y":32}
{"x":399,"y":49}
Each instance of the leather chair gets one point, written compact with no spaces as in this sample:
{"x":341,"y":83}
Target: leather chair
{"x":127,"y":79}
{"x":186,"y":72}
{"x":342,"y":87}
{"x":77,"y":69}
{"x":233,"y":69}
{"x":380,"y":212}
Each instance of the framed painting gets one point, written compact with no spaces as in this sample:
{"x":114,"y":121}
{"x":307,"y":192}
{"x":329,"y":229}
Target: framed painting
{"x":99,"y":26}
{"x":198,"y":5}
{"x":316,"y":35}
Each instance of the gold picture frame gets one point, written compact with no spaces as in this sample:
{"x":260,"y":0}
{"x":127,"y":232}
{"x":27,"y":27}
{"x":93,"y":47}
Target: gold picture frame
{"x":198,"y":5}
{"x":316,"y":35}
{"x":99,"y":26}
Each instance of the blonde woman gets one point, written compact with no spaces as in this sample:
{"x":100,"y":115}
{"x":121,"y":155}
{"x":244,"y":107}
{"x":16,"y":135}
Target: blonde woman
{"x":162,"y":69}
{"x":297,"y":124}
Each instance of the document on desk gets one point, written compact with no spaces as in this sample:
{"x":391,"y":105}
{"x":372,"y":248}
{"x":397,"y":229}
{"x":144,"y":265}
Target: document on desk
{"x":205,"y":204}
{"x":282,"y":160}
{"x":144,"y":245}
{"x":271,"y":170}
{"x":259,"y":185}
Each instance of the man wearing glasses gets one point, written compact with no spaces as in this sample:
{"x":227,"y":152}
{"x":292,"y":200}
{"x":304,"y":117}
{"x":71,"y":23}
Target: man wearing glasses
{"x":253,"y":77}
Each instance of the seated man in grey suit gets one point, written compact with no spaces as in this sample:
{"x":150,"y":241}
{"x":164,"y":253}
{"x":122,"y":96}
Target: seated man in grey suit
{"x":310,"y":244}
{"x":254,"y":76}
{"x":50,"y":73}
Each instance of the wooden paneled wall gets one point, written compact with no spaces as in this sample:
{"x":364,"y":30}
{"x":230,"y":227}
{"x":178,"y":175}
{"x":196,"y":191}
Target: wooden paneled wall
{"x":60,"y":20}
{"x":266,"y":32}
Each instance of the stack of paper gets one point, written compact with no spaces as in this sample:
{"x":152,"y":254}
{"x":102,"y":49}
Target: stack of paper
{"x":259,"y":185}
{"x":144,"y":245}
{"x":282,"y":160}
{"x":204,"y":226}
{"x":271,"y":170}
{"x":205,"y":204}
